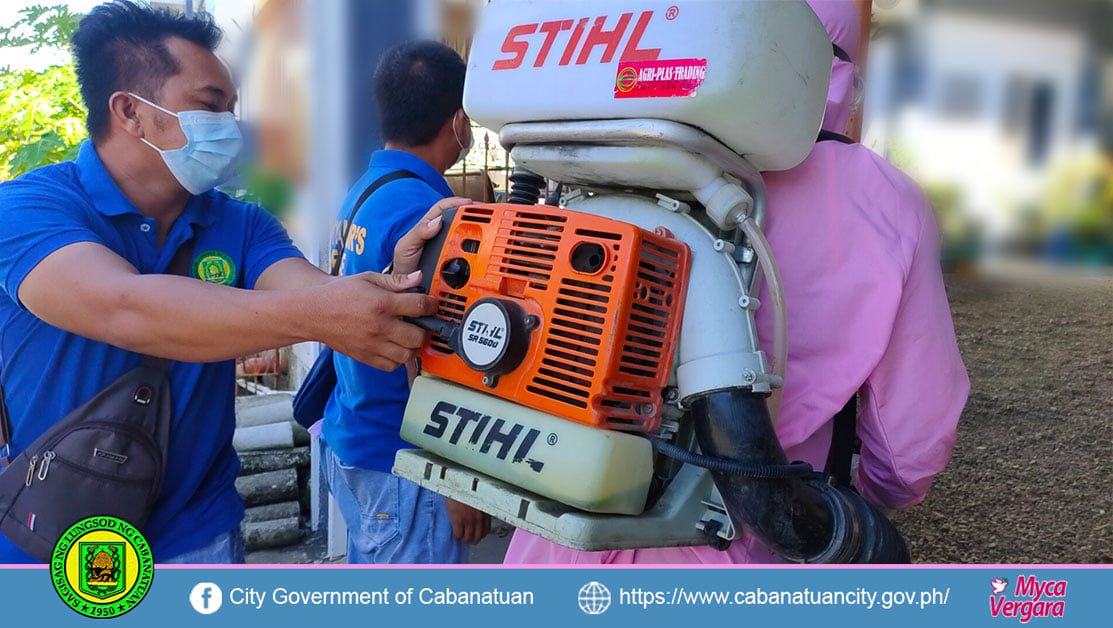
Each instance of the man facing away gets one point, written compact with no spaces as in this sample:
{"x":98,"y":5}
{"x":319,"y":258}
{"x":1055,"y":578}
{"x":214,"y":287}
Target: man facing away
{"x":868,"y":318}
{"x":419,"y":88}
{"x":83,"y":246}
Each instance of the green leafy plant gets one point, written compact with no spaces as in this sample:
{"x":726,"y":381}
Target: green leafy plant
{"x":41,"y":113}
{"x":1078,"y":206}
{"x":41,"y":27}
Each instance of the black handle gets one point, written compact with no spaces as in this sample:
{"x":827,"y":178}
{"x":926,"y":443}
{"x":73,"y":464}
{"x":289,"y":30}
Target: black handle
{"x":434,"y":325}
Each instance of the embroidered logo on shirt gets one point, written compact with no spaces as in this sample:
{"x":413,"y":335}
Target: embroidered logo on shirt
{"x":214,"y":267}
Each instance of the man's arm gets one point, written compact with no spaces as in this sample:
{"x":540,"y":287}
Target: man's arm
{"x":290,"y":274}
{"x":88,"y":290}
{"x":911,"y":402}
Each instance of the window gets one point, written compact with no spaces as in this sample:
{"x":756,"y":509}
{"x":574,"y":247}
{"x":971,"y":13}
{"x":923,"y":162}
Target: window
{"x":961,"y":96}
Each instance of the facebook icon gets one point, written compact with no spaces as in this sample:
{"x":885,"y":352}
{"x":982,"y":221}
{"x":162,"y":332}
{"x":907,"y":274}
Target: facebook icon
{"x":206,"y":598}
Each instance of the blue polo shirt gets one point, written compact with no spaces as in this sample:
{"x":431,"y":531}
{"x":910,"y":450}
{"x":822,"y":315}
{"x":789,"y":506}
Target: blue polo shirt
{"x":48,"y":372}
{"x":364,"y":413}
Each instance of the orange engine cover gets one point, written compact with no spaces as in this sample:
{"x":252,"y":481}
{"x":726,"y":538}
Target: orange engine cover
{"x":601,"y":294}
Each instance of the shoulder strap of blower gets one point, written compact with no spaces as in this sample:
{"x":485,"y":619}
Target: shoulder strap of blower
{"x":844,"y":434}
{"x":831,"y":136}
{"x":371,"y":189}
{"x":844,"y":443}
{"x":179,"y":265}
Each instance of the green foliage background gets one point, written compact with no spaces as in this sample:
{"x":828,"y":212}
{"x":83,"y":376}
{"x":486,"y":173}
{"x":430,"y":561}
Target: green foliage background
{"x":42,"y":117}
{"x":41,"y":114}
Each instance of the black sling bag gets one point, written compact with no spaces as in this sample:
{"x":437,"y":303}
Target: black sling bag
{"x":107,"y":457}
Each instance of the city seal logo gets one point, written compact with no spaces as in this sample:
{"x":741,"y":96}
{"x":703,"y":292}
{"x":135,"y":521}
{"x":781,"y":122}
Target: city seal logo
{"x":102,"y":567}
{"x":215,"y":267}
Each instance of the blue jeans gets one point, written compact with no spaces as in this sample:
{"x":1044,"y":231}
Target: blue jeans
{"x":225,"y":549}
{"x":390,"y":520}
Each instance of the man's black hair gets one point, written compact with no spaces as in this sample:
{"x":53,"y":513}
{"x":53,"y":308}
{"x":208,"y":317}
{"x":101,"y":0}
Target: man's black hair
{"x":419,"y":86}
{"x":121,"y":46}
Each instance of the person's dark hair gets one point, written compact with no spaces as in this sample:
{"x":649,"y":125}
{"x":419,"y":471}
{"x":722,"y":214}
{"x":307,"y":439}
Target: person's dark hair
{"x":419,"y":85}
{"x":121,"y":46}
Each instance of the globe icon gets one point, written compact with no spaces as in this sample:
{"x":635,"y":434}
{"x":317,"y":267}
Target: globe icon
{"x":594,"y":598}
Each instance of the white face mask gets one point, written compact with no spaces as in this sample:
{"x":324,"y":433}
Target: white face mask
{"x":464,"y":150}
{"x":859,"y":92}
{"x":211,"y":152}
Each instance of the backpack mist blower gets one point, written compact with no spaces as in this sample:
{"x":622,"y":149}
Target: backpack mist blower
{"x":594,"y":375}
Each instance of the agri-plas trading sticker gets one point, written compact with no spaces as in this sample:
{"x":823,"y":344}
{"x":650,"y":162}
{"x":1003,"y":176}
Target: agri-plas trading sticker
{"x":663,"y":78}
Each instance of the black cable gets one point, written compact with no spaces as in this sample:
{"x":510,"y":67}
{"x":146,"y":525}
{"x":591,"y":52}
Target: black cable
{"x":723,"y":465}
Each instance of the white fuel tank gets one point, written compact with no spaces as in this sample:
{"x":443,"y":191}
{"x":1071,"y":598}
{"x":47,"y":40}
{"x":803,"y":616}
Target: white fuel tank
{"x":752,"y":74}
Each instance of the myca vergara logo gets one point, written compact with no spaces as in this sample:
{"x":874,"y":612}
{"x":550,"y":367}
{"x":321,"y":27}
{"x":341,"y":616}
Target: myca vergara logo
{"x":1030,"y":598}
{"x":215,"y":267}
{"x":102,"y":567}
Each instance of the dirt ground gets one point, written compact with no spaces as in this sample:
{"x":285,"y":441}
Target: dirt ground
{"x":1031,"y":480}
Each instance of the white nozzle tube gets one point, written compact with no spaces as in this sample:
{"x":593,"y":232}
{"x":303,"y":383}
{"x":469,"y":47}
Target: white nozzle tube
{"x":776,"y":293}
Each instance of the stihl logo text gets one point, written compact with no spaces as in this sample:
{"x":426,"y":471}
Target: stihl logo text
{"x":478,"y":429}
{"x":522,"y":39}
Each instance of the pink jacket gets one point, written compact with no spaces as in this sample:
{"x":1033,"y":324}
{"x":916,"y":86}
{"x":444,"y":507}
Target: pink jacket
{"x":867,"y":313}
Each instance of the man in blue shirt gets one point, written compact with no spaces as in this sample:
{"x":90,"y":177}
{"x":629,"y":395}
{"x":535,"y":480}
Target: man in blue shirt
{"x":419,"y":88}
{"x":83,"y":243}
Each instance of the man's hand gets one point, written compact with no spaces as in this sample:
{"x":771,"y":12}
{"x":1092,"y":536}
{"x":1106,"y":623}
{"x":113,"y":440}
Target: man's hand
{"x":468,"y":524}
{"x":364,"y":318}
{"x":407,"y":253}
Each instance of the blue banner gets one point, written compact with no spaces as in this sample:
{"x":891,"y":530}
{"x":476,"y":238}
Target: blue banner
{"x":536,"y":597}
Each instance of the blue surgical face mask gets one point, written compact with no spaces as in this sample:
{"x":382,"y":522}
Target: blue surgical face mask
{"x":212,"y":149}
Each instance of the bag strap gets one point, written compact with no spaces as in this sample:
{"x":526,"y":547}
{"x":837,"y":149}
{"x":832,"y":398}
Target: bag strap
{"x":179,"y":265}
{"x":844,"y":439}
{"x":371,"y":189}
{"x":5,"y":430}
{"x":831,"y":136}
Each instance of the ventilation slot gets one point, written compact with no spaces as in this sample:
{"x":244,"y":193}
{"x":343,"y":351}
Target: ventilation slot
{"x":557,"y":218}
{"x":532,"y":250}
{"x":603,"y":235}
{"x":587,"y":307}
{"x":450,"y":307}
{"x":529,"y":253}
{"x":579,"y":403}
{"x":547,"y":237}
{"x":570,"y":357}
{"x":540,"y":226}
{"x":632,"y":392}
{"x":567,"y":367}
{"x":481,"y":215}
{"x":577,"y":326}
{"x":598,"y":298}
{"x":591,"y":318}
{"x":588,"y":351}
{"x":586,"y":285}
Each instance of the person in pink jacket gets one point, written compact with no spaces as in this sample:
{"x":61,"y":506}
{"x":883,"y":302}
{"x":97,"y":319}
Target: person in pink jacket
{"x":858,"y":252}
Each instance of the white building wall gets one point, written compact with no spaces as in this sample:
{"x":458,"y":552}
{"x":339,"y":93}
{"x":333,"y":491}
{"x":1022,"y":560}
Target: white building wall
{"x":974,"y":150}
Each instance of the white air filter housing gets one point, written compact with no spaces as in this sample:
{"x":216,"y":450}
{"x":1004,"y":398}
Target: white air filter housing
{"x":752,"y":74}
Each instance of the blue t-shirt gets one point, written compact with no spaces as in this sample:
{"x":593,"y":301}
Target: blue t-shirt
{"x":48,"y":372}
{"x":364,"y":413}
